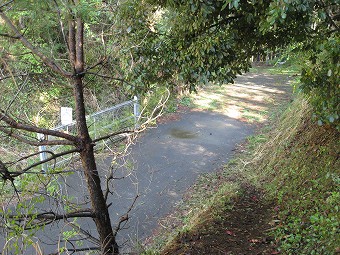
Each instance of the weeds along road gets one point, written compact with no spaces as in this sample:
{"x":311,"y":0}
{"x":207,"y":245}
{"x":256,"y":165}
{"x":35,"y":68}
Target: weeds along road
{"x":165,"y":161}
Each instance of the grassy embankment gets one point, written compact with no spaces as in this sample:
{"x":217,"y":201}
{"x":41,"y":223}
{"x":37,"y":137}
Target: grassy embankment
{"x":279,"y":195}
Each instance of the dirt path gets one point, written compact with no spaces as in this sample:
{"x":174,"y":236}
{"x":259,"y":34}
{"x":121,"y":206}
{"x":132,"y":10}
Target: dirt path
{"x":237,"y":229}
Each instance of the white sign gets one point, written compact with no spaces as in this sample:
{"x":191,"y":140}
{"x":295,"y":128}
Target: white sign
{"x":66,"y":115}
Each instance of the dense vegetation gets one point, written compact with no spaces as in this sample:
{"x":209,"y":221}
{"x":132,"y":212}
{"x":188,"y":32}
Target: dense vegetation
{"x":91,"y":54}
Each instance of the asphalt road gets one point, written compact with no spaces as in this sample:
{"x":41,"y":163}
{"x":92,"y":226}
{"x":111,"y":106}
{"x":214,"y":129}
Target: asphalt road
{"x":167,"y":161}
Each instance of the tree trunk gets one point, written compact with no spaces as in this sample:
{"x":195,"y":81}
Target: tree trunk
{"x":102,"y":218}
{"x":99,"y":207}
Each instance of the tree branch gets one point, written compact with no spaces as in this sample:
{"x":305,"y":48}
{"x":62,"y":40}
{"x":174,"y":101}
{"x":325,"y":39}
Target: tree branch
{"x":48,"y":217}
{"x":112,"y":134}
{"x":84,"y":249}
{"x":22,"y":74}
{"x":4,"y":173}
{"x":16,"y":125}
{"x":9,"y":36}
{"x":33,"y":143}
{"x":4,"y":4}
{"x":110,"y":77}
{"x":50,"y":63}
{"x":125,"y":217}
{"x":100,"y":62}
{"x":87,"y":235}
{"x":53,"y":157}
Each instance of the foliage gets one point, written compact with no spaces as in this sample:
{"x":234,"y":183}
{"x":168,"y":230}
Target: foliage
{"x":193,"y":42}
{"x":320,"y":80}
{"x":317,"y":37}
{"x":302,"y":174}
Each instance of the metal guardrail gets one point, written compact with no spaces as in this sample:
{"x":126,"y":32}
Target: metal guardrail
{"x":115,"y":118}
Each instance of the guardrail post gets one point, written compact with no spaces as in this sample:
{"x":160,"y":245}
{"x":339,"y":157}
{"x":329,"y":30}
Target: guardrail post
{"x":136,"y":112}
{"x":42,"y":154}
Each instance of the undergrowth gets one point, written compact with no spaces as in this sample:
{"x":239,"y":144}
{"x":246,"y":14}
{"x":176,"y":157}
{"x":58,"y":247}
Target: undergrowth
{"x":299,"y":166}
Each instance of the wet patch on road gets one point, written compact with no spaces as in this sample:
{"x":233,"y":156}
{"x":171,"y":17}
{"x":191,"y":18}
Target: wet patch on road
{"x":182,"y":133}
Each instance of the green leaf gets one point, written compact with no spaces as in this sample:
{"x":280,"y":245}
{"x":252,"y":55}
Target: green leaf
{"x":236,"y":3}
{"x":224,"y":6}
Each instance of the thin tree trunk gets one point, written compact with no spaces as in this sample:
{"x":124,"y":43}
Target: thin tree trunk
{"x":100,"y":210}
{"x":99,"y":207}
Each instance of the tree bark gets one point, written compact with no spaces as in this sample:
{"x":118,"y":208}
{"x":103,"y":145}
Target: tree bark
{"x":99,"y":207}
{"x":100,"y":210}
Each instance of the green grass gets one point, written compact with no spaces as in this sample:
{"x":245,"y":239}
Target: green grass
{"x":289,"y":68}
{"x":300,"y":169}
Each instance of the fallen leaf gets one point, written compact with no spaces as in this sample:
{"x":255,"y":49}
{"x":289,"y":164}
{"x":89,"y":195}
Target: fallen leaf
{"x":231,"y":233}
{"x":255,"y":241}
{"x":275,"y":252}
{"x":254,"y":198}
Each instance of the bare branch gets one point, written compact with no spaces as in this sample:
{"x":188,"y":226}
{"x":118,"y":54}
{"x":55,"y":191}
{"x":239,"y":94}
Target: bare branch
{"x":47,"y":217}
{"x":113,"y":134}
{"x":9,"y":36}
{"x":110,"y":77}
{"x":84,"y":249}
{"x":33,"y":143}
{"x":17,"y":94}
{"x":29,"y":156}
{"x":4,"y":173}
{"x":125,"y":217}
{"x":54,"y":156}
{"x":88,"y":236}
{"x":100,"y":62}
{"x":17,"y":125}
{"x":52,"y":215}
{"x":22,"y":74}
{"x":4,"y":4}
{"x":12,"y":76}
{"x":156,"y":112}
